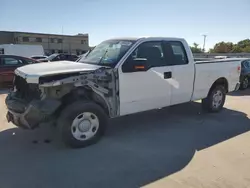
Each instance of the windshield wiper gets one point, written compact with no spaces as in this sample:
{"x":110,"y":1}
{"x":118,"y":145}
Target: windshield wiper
{"x":103,"y":56}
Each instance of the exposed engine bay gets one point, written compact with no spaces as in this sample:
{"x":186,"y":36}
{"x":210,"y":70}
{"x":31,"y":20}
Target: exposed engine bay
{"x":30,"y":103}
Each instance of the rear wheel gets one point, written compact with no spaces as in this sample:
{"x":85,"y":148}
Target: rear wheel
{"x":244,"y":83}
{"x":82,"y":123}
{"x":215,"y":99}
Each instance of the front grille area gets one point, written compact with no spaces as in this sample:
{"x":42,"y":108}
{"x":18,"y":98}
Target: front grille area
{"x":26,"y":91}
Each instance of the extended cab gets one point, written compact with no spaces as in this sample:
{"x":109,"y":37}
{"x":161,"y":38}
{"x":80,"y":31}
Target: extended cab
{"x":118,"y":77}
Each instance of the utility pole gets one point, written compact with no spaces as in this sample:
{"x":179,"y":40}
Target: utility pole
{"x":204,"y":42}
{"x":62,"y":39}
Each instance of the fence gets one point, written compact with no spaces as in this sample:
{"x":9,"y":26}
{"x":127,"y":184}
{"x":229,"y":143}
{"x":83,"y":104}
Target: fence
{"x":211,"y":55}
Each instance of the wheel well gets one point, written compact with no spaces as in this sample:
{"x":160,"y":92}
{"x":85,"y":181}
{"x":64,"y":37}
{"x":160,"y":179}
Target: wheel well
{"x":222,"y":82}
{"x":85,"y":94}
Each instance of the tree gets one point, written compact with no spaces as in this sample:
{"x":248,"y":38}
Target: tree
{"x":195,"y":48}
{"x":244,"y":43}
{"x":223,"y":47}
{"x":236,"y":49}
{"x":229,"y":47}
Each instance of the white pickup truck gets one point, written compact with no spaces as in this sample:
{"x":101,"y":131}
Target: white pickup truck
{"x":118,"y":77}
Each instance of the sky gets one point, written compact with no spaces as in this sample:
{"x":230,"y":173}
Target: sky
{"x":220,"y":20}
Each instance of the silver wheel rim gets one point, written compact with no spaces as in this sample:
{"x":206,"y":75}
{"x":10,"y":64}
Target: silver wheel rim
{"x":217,"y":99}
{"x":85,"y":126}
{"x":245,"y":83}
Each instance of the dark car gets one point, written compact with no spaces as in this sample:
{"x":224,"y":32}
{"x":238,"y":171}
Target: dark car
{"x":245,"y":74}
{"x":36,"y":57}
{"x":60,"y":57}
{"x":8,"y":64}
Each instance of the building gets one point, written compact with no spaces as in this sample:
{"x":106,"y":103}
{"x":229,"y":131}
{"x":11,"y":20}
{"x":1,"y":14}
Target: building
{"x":52,"y":43}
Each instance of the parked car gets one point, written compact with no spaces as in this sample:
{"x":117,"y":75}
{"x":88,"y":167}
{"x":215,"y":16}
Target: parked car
{"x":8,"y":63}
{"x":118,"y":77}
{"x":82,"y":56}
{"x":60,"y":57}
{"x":245,"y":74}
{"x":24,"y":50}
{"x":37,"y":57}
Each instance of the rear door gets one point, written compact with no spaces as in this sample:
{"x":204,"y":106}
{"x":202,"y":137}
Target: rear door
{"x":7,"y":68}
{"x":182,"y":72}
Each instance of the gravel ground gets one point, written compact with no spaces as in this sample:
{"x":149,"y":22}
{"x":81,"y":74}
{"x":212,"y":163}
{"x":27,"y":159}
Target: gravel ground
{"x":176,"y":147}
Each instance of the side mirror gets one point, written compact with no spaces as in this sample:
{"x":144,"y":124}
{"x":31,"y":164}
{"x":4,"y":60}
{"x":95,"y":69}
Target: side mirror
{"x":140,"y":64}
{"x":135,"y":65}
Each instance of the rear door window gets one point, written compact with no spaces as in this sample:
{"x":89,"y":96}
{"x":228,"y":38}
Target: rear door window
{"x":175,"y":53}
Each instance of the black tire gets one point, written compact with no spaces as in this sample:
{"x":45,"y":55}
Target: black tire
{"x":245,"y":83}
{"x":70,"y":112}
{"x":207,"y":103}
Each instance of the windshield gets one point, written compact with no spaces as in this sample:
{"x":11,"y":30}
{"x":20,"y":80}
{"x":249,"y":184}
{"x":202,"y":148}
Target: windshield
{"x":52,"y":56}
{"x":108,"y":52}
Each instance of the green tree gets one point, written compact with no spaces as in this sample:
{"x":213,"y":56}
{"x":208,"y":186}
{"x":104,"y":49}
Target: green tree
{"x":236,"y":49}
{"x":229,"y":47}
{"x":244,"y":43}
{"x":223,"y":47}
{"x":246,"y":49}
{"x":195,"y":48}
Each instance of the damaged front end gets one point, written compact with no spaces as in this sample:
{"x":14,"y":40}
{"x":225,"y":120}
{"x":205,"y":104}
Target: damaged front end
{"x":33,"y":103}
{"x":25,"y":107}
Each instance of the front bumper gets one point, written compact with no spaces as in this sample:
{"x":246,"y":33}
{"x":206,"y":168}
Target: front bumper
{"x":29,"y":115}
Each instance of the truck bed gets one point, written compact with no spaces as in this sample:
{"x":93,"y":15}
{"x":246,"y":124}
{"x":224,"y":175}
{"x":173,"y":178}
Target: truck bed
{"x":218,"y":61}
{"x":207,"y":72}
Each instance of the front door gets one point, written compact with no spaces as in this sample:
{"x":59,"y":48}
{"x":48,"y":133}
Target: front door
{"x":147,"y":89}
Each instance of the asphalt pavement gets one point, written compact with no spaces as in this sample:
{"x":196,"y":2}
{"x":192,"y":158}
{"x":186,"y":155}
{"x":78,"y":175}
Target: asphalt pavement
{"x":179,"y":146}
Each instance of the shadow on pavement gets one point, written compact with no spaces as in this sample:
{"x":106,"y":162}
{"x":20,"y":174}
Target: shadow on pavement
{"x":136,"y":150}
{"x":240,"y":93}
{"x":4,"y":91}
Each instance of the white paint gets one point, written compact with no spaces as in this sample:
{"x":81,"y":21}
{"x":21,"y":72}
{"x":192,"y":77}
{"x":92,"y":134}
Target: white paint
{"x":22,"y":49}
{"x":32,"y":72}
{"x":208,"y":73}
{"x":141,"y":91}
{"x":182,"y":87}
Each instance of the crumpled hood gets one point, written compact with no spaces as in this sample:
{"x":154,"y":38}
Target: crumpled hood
{"x":32,"y":72}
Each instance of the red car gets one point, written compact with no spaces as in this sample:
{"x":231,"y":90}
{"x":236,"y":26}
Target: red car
{"x":8,"y":64}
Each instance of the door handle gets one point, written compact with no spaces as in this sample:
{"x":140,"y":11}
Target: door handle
{"x":167,"y":75}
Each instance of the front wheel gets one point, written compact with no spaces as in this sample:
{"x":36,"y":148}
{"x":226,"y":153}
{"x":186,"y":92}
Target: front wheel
{"x":82,"y":123}
{"x":215,"y":99}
